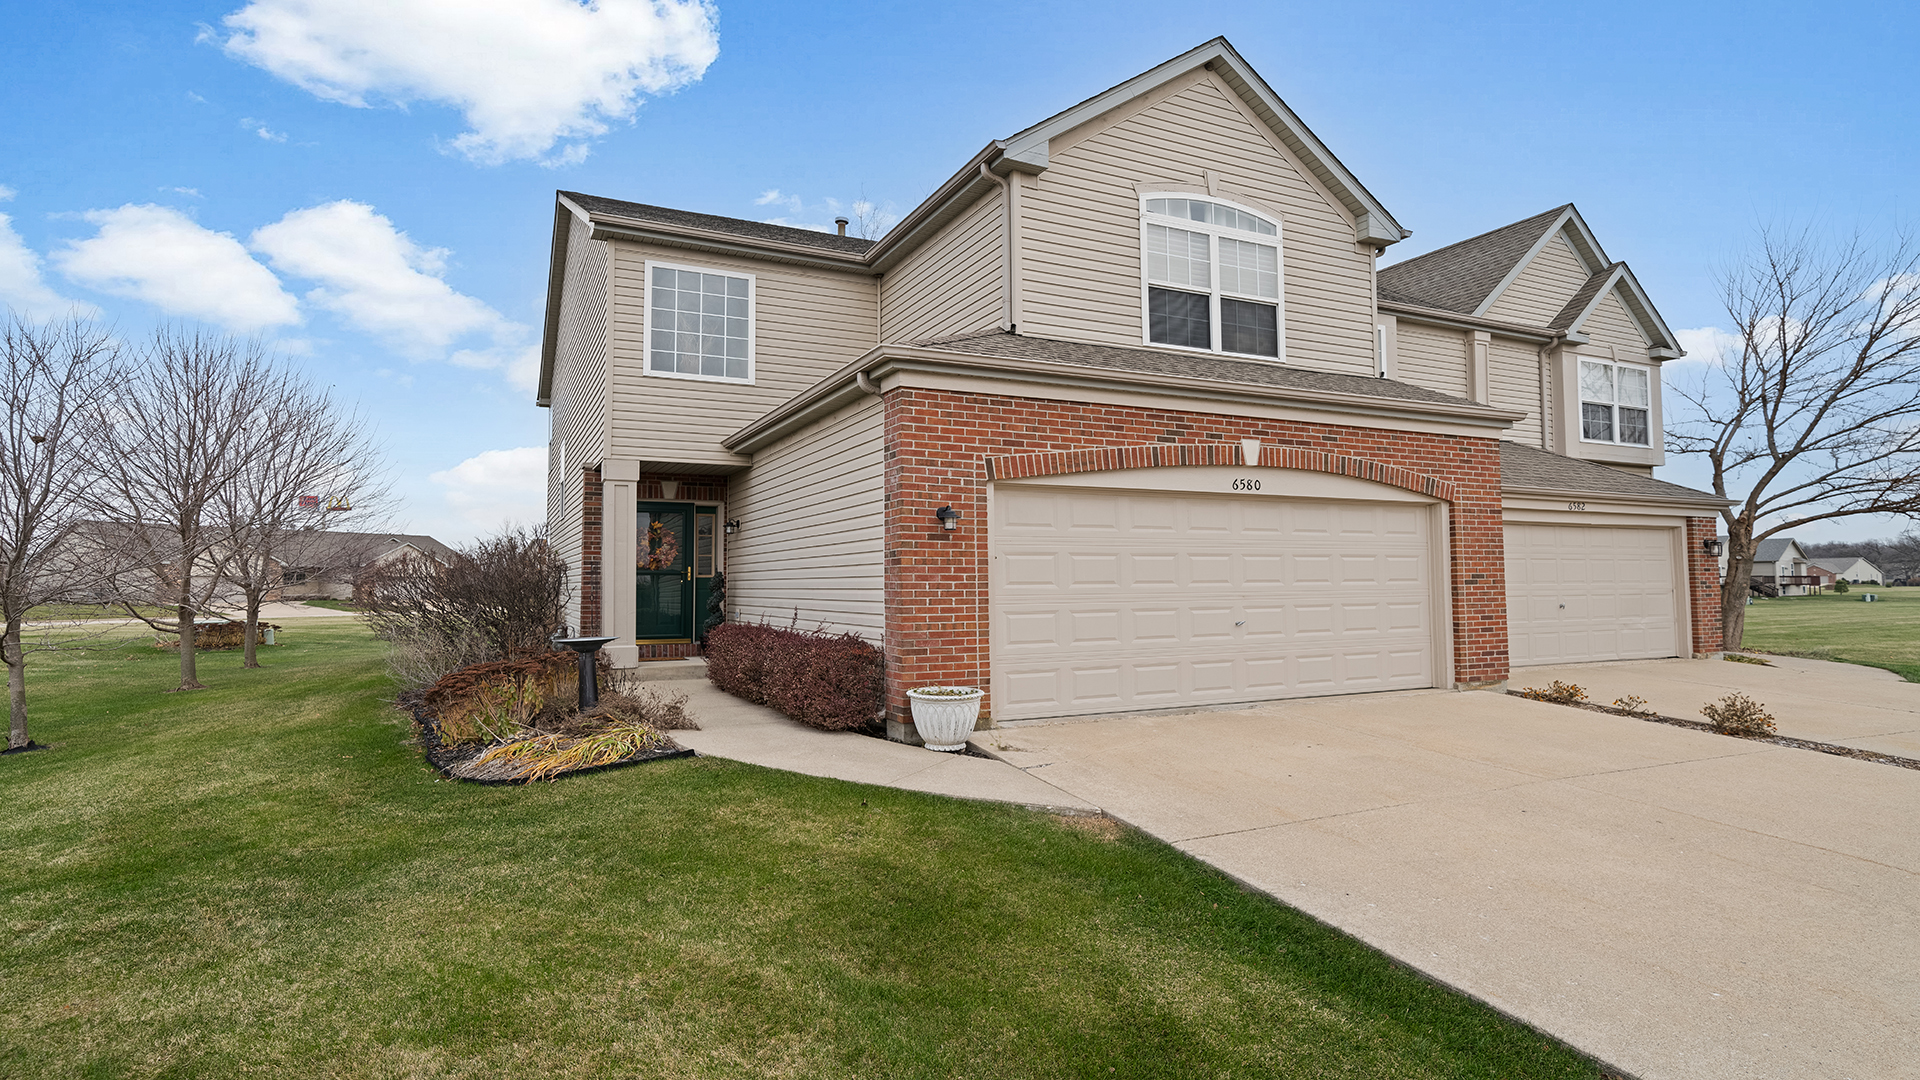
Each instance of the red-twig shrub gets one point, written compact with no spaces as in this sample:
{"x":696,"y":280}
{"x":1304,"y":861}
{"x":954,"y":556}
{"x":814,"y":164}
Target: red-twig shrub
{"x":830,"y":681}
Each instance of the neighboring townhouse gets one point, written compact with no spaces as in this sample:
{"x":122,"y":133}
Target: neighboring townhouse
{"x":332,"y":565}
{"x":1850,"y":569}
{"x":1781,"y":564}
{"x":1123,"y":416}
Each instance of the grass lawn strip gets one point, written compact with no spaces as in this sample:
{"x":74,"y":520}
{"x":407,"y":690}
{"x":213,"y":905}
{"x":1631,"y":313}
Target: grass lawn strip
{"x":1842,"y":627}
{"x":263,"y":878}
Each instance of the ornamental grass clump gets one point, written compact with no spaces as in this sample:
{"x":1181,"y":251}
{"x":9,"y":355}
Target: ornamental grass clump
{"x":544,"y":757}
{"x":1738,"y":714}
{"x":1556,"y":692}
{"x":492,"y":701}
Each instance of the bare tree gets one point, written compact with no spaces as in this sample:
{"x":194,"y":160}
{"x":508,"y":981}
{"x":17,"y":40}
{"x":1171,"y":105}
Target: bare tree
{"x":309,"y":465}
{"x":179,"y":438}
{"x":506,"y":591}
{"x":1817,"y":414}
{"x":54,"y":378}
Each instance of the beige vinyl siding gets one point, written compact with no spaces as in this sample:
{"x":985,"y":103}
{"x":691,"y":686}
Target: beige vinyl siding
{"x":1433,"y":356}
{"x":812,"y":511}
{"x":955,"y":283}
{"x":1611,"y":325}
{"x":1544,"y":287}
{"x":807,"y":323}
{"x":578,"y":435}
{"x":1080,"y":229}
{"x":1513,"y":382}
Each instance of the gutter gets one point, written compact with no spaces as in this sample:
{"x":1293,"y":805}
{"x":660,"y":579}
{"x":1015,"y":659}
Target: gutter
{"x":1704,"y":501}
{"x":853,"y":382}
{"x":1460,"y":321}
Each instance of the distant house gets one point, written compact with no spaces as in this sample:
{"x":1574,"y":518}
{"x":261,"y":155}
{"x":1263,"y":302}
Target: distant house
{"x":334,"y":565}
{"x":1780,"y":562}
{"x":1854,"y":571}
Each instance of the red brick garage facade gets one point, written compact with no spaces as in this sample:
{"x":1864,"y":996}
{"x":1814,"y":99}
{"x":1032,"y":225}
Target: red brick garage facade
{"x":943,"y":447}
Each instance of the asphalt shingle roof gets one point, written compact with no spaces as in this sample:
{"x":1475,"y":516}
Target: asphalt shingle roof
{"x":1523,"y":466}
{"x":1579,"y":301}
{"x":1154,"y":361}
{"x":754,"y":230}
{"x":1771,"y":549}
{"x":1460,"y":276}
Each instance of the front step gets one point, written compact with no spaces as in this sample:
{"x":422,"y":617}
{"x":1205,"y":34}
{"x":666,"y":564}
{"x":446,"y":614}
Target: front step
{"x":665,"y":670}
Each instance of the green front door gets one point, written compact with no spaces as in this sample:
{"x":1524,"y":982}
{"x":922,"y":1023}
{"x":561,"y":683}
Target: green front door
{"x":664,"y":573}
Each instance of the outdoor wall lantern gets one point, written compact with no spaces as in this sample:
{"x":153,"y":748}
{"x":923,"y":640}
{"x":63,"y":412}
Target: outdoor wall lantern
{"x":1713,"y":545}
{"x":949,"y":518}
{"x":733,"y":526}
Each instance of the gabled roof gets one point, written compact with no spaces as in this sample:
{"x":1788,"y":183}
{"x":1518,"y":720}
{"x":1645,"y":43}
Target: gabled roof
{"x":1774,"y":548}
{"x":1463,"y":276}
{"x":1526,"y":468}
{"x":687,"y":219}
{"x":328,"y":548}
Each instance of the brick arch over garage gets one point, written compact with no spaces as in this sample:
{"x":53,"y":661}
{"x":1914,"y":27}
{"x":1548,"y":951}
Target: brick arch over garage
{"x":1157,"y":455}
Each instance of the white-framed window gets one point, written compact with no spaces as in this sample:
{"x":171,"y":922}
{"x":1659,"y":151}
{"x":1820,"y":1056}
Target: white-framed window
{"x":1211,"y":277}
{"x":700,"y":323}
{"x":1616,"y":402}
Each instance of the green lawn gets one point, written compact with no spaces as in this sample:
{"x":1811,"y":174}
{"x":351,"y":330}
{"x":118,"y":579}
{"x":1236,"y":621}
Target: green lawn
{"x":334,"y":605}
{"x":261,"y":879}
{"x":1840,"y":626}
{"x":62,"y":612}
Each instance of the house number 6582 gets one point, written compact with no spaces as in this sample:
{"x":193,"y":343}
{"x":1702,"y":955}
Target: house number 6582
{"x":1576,"y":506}
{"x":1245,"y":484}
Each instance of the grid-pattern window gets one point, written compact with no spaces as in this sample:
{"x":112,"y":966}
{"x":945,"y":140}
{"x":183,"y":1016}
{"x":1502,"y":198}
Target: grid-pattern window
{"x":1615,"y":403}
{"x":1212,"y":283}
{"x":700,"y":324}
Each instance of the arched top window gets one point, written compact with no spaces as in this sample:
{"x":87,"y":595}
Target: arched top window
{"x":1212,"y":276}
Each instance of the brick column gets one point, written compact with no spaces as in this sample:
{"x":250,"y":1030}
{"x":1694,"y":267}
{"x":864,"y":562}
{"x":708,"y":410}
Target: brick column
{"x":1703,"y":587}
{"x":591,"y":544}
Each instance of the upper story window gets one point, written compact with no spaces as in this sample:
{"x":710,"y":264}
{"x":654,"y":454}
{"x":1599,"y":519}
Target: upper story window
{"x":1615,"y":403}
{"x":1212,"y":277}
{"x":699,"y":323}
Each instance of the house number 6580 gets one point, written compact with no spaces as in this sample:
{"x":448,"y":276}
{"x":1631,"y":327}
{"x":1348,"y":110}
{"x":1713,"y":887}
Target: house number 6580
{"x":1245,"y":484}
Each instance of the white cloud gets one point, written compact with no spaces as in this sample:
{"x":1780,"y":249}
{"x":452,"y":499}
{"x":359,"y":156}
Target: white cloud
{"x":262,"y":130}
{"x":866,"y":218}
{"x":20,"y":285}
{"x":497,"y":487}
{"x":7,"y":193}
{"x":376,"y":278}
{"x":1707,"y":345}
{"x":527,"y":74}
{"x":161,"y":256}
{"x":773,"y":197}
{"x":191,"y":193}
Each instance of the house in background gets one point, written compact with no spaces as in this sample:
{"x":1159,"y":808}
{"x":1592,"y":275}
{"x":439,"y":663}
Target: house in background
{"x":1780,"y":563}
{"x":316,"y":565}
{"x":1852,"y":570}
{"x":1125,"y":415}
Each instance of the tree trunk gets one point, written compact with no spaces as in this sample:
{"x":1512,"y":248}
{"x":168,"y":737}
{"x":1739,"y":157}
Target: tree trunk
{"x":1734,"y":590}
{"x":189,"y":673}
{"x":16,"y":685}
{"x":253,"y":627}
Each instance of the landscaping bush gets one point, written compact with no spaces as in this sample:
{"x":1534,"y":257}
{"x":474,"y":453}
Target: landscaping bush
{"x":500,"y":597}
{"x":490,"y":701}
{"x":1738,"y":714}
{"x":1557,"y":692}
{"x":1633,"y":705}
{"x":1841,"y":586}
{"x":829,"y":681}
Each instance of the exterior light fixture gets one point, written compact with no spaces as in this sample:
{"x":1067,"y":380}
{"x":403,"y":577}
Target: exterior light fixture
{"x":949,"y":518}
{"x":1714,"y":545}
{"x":733,"y":526}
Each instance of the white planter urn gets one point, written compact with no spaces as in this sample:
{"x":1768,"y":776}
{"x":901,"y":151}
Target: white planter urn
{"x":944,"y":715}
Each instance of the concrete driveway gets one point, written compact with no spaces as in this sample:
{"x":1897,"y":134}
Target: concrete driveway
{"x":1678,"y":904}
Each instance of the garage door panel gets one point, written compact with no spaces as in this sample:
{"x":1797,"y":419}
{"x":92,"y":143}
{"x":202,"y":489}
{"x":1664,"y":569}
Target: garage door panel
{"x":1151,"y":600}
{"x":1583,"y":593}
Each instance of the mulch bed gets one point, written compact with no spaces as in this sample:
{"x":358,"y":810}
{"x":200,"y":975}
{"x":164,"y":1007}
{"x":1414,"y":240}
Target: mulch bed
{"x":457,"y":762}
{"x":1778,"y":740}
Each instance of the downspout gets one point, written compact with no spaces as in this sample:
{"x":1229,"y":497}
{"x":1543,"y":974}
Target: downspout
{"x":865,"y":384}
{"x":1546,"y":392}
{"x":1011,"y":282}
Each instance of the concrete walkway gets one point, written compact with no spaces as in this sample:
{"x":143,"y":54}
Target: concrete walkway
{"x":1677,"y":903}
{"x":732,"y":728}
{"x":1847,"y":704}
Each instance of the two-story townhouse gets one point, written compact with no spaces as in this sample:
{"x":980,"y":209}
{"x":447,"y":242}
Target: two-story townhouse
{"x":1123,"y":416}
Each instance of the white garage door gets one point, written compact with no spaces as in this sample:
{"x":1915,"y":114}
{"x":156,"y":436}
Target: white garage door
{"x":1577,"y":592}
{"x":1105,"y":601}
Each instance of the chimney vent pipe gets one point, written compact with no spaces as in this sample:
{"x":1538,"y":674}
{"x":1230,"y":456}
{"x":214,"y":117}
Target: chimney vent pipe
{"x":842,"y":222}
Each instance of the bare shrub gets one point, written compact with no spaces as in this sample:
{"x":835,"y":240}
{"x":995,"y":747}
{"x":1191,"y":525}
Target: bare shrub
{"x":417,"y":661}
{"x":830,"y":681}
{"x":505,"y":593}
{"x":1556,"y":692}
{"x":658,"y":709}
{"x":1738,"y":714}
{"x":1633,"y":705}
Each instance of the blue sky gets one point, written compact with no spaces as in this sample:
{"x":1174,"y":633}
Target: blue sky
{"x":367,"y":184}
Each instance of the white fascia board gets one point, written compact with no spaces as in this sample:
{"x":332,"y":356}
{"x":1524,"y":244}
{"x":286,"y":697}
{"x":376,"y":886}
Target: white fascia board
{"x":1642,"y":309}
{"x":1605,"y":290}
{"x":1520,"y":266}
{"x":1028,"y":150}
{"x":564,"y":209}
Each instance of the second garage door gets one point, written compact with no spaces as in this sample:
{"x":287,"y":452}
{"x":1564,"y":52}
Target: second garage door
{"x":1104,"y":601}
{"x":1578,"y":593}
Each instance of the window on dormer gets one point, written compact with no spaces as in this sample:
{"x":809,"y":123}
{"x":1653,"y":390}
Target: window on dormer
{"x":1212,"y":277}
{"x":1615,"y":403}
